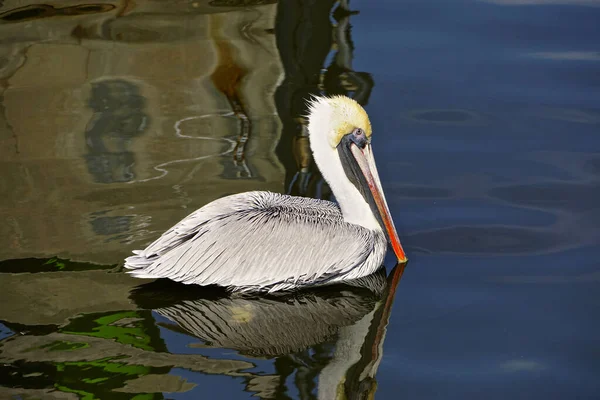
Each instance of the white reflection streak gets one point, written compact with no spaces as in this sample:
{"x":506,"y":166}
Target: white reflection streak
{"x":161,"y":167}
{"x":544,"y":2}
{"x":568,"y":55}
{"x":522,"y":366}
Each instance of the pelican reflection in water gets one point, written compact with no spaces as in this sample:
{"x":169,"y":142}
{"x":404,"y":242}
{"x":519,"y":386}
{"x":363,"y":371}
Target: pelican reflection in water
{"x":263,"y":241}
{"x":330,"y":339}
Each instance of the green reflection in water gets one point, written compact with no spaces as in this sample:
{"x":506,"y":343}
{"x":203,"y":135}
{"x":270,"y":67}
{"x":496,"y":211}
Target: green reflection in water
{"x":126,"y":327}
{"x":98,"y":379}
{"x":63,"y":345}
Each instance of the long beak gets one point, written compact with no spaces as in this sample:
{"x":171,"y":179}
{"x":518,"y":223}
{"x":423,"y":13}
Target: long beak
{"x":366,"y":162}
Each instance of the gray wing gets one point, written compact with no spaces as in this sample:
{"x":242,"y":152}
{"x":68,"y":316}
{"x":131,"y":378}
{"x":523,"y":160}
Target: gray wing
{"x":258,"y":241}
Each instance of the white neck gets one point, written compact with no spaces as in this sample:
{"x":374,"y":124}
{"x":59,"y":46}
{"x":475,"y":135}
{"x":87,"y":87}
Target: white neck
{"x":354,"y":207}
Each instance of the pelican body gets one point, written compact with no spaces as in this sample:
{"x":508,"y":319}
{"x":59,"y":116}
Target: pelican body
{"x":266,"y":242}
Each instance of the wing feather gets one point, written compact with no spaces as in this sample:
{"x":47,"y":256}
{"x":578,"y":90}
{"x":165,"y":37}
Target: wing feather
{"x":258,"y":241}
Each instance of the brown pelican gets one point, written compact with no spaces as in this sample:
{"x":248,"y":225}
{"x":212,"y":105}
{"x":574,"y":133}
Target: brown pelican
{"x":263,"y":241}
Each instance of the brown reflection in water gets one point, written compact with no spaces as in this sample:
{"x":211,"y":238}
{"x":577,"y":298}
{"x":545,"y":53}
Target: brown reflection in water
{"x":90,"y":183}
{"x":57,"y":297}
{"x":304,"y":44}
{"x":161,"y":82}
{"x":118,"y":118}
{"x":240,"y":3}
{"x":227,"y":78}
{"x":37,"y":11}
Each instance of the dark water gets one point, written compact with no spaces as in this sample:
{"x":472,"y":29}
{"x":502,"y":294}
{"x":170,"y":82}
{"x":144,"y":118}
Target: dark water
{"x":118,"y":119}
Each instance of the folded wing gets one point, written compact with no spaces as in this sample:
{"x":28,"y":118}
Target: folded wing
{"x":258,"y":241}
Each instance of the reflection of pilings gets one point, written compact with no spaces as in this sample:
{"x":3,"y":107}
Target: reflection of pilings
{"x":305,"y":38}
{"x":227,"y":78}
{"x":339,"y":77}
{"x":239,"y":155}
{"x":303,"y":33}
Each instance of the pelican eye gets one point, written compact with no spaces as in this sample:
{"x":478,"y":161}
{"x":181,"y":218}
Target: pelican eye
{"x":359,"y":137}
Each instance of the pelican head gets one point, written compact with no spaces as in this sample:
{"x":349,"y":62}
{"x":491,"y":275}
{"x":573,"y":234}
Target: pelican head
{"x":340,"y":139}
